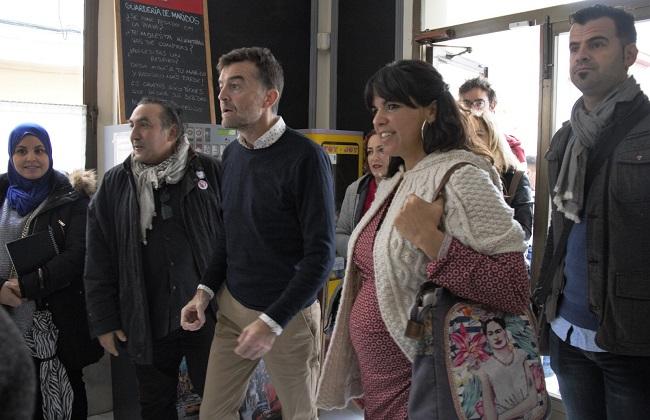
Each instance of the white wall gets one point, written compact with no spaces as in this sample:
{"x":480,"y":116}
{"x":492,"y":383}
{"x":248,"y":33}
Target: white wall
{"x":41,"y":75}
{"x":23,"y":82}
{"x":106,"y":77}
{"x":407,"y":35}
{"x":439,"y":14}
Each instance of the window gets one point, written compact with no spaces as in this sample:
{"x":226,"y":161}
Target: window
{"x":41,"y":75}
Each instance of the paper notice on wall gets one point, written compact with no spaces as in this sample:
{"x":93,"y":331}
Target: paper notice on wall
{"x":121,"y":146}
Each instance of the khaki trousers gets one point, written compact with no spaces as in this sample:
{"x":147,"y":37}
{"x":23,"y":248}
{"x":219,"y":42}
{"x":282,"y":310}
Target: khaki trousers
{"x":293,"y":363}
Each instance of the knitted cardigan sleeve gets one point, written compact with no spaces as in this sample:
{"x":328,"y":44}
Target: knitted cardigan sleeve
{"x":482,"y":257}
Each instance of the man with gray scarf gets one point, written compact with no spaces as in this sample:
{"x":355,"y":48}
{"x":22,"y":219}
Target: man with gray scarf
{"x":598,"y":297}
{"x":152,"y":227}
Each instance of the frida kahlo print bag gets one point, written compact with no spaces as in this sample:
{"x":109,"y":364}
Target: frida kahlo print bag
{"x":473,"y":362}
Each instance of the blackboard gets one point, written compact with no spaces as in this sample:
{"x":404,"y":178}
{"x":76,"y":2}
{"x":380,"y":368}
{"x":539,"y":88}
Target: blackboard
{"x":164,"y":52}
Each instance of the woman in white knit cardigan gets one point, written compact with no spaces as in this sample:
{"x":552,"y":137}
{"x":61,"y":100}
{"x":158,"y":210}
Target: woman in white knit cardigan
{"x":462,"y":243}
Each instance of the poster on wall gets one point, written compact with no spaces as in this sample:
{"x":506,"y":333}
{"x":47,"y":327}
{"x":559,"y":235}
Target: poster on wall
{"x":164,"y":51}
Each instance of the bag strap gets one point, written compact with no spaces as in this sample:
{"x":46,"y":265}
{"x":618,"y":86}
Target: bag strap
{"x":514,"y":184}
{"x":414,"y":327}
{"x":609,"y":139}
{"x":445,"y":178}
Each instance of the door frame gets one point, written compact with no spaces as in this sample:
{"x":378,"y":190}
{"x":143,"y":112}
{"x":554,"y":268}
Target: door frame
{"x":553,"y":21}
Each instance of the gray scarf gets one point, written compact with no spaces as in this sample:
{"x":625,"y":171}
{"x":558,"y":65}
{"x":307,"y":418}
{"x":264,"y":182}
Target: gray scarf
{"x":148,"y":177}
{"x":586,"y":127}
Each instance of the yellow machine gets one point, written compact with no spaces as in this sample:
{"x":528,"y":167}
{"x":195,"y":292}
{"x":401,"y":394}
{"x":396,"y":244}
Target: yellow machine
{"x":345,"y":149}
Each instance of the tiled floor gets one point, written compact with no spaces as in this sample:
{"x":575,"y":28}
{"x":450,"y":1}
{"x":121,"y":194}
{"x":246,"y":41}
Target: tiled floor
{"x":105,"y":416}
{"x":347,"y":414}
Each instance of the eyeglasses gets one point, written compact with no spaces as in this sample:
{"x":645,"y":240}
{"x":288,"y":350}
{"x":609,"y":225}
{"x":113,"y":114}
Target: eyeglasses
{"x":477,"y":104}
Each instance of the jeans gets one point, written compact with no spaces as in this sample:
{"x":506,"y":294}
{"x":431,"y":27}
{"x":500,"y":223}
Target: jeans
{"x":158,"y":382}
{"x":600,"y":385}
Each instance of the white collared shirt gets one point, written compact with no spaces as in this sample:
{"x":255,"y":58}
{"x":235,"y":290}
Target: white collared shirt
{"x":267,"y":139}
{"x":582,"y":338}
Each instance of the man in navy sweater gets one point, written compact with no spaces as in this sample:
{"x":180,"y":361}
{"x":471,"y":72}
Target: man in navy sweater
{"x":278,"y":248}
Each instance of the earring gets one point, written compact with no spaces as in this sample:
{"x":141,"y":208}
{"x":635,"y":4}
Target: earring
{"x":425,"y":125}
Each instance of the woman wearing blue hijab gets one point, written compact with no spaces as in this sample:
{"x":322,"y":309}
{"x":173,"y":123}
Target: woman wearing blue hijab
{"x":47,"y":303}
{"x":30,"y":184}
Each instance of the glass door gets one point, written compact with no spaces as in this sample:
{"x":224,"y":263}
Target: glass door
{"x":514,"y":77}
{"x":528,"y":66}
{"x":41,"y":75}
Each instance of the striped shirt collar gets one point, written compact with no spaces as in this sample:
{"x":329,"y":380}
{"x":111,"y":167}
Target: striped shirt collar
{"x":269,"y":138}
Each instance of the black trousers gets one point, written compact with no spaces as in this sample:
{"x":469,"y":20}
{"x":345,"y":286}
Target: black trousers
{"x":158,"y":382}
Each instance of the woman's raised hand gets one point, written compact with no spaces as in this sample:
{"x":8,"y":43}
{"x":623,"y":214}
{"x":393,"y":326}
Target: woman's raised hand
{"x":418,"y":222}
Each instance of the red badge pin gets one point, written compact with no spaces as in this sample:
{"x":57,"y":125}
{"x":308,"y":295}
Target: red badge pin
{"x":203,"y":184}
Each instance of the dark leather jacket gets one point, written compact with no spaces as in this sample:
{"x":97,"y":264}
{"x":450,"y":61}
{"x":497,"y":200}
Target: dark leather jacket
{"x":115,"y":293}
{"x":62,"y":289}
{"x":617,"y":213}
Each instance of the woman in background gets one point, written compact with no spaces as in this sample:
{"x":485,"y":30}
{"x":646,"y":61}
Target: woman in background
{"x":47,"y":303}
{"x":507,"y":165}
{"x":404,"y":240}
{"x":360,"y":194}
